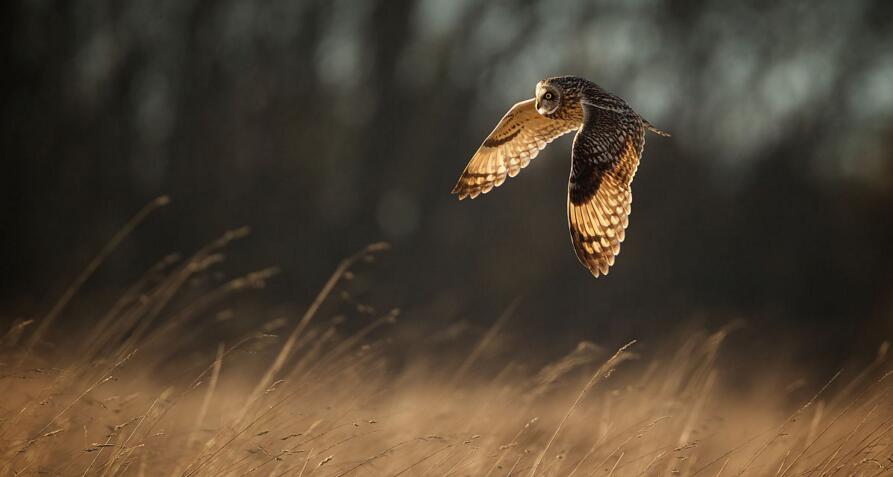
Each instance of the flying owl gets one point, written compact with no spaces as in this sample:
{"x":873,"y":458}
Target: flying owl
{"x":605,"y":155}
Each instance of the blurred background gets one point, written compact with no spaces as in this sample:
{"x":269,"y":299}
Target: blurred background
{"x":327,"y":125}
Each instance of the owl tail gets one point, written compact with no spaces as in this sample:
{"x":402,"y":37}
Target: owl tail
{"x":655,"y":130}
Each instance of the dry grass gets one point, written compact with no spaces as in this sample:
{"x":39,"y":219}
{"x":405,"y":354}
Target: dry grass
{"x":130,"y":395}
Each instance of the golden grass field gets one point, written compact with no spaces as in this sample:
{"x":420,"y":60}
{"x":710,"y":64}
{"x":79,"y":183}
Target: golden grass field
{"x":122,"y":397}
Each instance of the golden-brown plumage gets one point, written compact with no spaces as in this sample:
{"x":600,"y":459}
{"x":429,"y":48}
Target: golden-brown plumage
{"x":605,"y":156}
{"x":517,"y":139}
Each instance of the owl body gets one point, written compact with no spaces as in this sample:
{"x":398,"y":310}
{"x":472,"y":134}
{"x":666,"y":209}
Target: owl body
{"x":604,"y":158}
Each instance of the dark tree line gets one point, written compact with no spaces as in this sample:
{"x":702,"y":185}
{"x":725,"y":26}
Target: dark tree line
{"x":327,"y":125}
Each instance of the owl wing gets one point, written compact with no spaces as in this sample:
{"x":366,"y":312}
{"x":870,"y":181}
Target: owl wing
{"x":606,"y":154}
{"x":519,"y":137}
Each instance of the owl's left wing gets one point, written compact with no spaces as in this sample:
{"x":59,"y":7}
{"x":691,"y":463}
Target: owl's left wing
{"x":605,"y":158}
{"x":519,"y":137}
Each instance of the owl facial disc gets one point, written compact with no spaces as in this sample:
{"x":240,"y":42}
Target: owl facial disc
{"x":548,"y":99}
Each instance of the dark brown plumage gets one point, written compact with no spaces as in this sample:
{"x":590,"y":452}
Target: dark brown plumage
{"x":606,"y":152}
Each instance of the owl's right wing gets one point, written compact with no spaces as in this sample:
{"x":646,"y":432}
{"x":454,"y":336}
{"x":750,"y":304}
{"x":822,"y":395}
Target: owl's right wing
{"x":519,"y":137}
{"x":605,"y":157}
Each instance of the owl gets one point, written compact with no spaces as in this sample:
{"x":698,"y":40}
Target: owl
{"x":605,"y":154}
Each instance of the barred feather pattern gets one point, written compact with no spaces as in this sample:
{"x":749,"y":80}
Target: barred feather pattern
{"x":517,"y":139}
{"x":605,"y":157}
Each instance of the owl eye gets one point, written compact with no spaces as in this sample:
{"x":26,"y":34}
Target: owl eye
{"x":548,"y":96}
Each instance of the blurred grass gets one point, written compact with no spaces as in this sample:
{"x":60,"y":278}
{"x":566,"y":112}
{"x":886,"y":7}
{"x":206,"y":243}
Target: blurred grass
{"x":138,"y":391}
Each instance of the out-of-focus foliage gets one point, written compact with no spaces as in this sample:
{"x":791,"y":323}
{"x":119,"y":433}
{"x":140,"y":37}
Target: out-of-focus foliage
{"x":329,"y":124}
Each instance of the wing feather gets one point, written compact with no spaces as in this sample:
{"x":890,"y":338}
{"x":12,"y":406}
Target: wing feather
{"x":517,"y":139}
{"x":605,"y":158}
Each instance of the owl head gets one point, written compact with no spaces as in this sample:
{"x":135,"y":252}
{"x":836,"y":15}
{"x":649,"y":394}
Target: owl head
{"x":548,"y":97}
